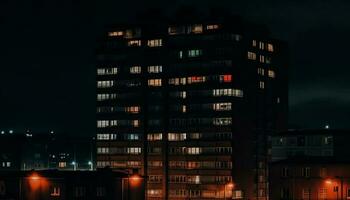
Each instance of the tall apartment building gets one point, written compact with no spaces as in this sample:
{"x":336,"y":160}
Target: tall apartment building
{"x":189,"y":104}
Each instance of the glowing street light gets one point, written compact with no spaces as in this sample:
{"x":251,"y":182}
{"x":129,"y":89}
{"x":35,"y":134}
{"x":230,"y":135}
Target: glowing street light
{"x":74,"y":165}
{"x":91,"y":165}
{"x":230,"y":186}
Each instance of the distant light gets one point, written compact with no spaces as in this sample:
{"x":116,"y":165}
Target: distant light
{"x":73,"y":163}
{"x":327,"y":126}
{"x":2,"y":132}
{"x":52,"y":132}
{"x":90,"y":163}
{"x":10,"y":131}
{"x":328,"y":181}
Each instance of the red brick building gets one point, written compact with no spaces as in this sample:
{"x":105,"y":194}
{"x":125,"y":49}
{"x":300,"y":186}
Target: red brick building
{"x":310,"y":178}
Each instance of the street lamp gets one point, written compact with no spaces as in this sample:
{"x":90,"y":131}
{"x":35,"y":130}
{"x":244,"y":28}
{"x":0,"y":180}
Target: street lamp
{"x":230,"y":186}
{"x":91,"y":165}
{"x":74,"y":165}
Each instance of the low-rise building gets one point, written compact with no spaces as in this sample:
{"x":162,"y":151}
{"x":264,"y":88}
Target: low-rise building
{"x":319,"y":143}
{"x":310,"y":178}
{"x":73,"y":185}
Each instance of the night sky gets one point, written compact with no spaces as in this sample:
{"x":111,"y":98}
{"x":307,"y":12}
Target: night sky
{"x":47,"y":57}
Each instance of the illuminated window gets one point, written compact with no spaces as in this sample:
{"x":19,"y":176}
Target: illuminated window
{"x":180,"y":54}
{"x":105,"y":84}
{"x":175,"y":30}
{"x":115,"y":33}
{"x":262,"y":59}
{"x":135,"y":123}
{"x":134,"y":43}
{"x":212,"y":26}
{"x":261,"y":84}
{"x":103,"y":137}
{"x":261,"y":71}
{"x":228,"y":92}
{"x":55,"y":192}
{"x":103,"y":150}
{"x":194,"y":53}
{"x":155,"y":82}
{"x":155,"y":69}
{"x":183,"y":94}
{"x":270,"y":47}
{"x":226,"y":78}
{"x":306,"y":193}
{"x":261,"y":45}
{"x":222,"y":121}
{"x":154,"y":178}
{"x":62,"y":164}
{"x":196,"y":28}
{"x":133,"y":33}
{"x":183,"y":108}
{"x":154,"y":192}
{"x":322,"y":194}
{"x":155,"y":163}
{"x":254,"y":43}
{"x":251,"y":55}
{"x":107,"y":71}
{"x":135,"y":70}
{"x":196,"y":79}
{"x":133,"y":150}
{"x":103,"y":97}
{"x":154,"y":136}
{"x":133,"y":163}
{"x":194,"y":179}
{"x":176,"y":136}
{"x":271,"y":74}
{"x":132,"y":136}
{"x":154,"y":43}
{"x":132,"y":109}
{"x":193,"y":150}
{"x":222,"y":106}
{"x":102,"y":123}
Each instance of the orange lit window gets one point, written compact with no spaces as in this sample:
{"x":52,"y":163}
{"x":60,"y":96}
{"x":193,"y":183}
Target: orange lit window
{"x":115,"y":33}
{"x":226,"y":78}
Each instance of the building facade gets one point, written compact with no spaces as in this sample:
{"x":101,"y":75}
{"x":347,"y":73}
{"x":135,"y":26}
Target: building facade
{"x":72,"y":185}
{"x":310,"y":178}
{"x":189,"y":104}
{"x":318,"y":143}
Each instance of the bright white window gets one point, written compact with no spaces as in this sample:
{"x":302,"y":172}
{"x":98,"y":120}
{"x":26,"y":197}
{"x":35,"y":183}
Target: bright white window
{"x":222,"y":106}
{"x":194,"y":150}
{"x":155,"y":69}
{"x":135,"y":70}
{"x":155,"y":43}
{"x":105,"y":84}
{"x":222,"y":121}
{"x":107,"y":71}
{"x":251,"y":55}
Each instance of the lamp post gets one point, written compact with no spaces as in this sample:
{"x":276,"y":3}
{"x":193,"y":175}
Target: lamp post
{"x":229,"y":185}
{"x":91,"y":165}
{"x":74,"y":165}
